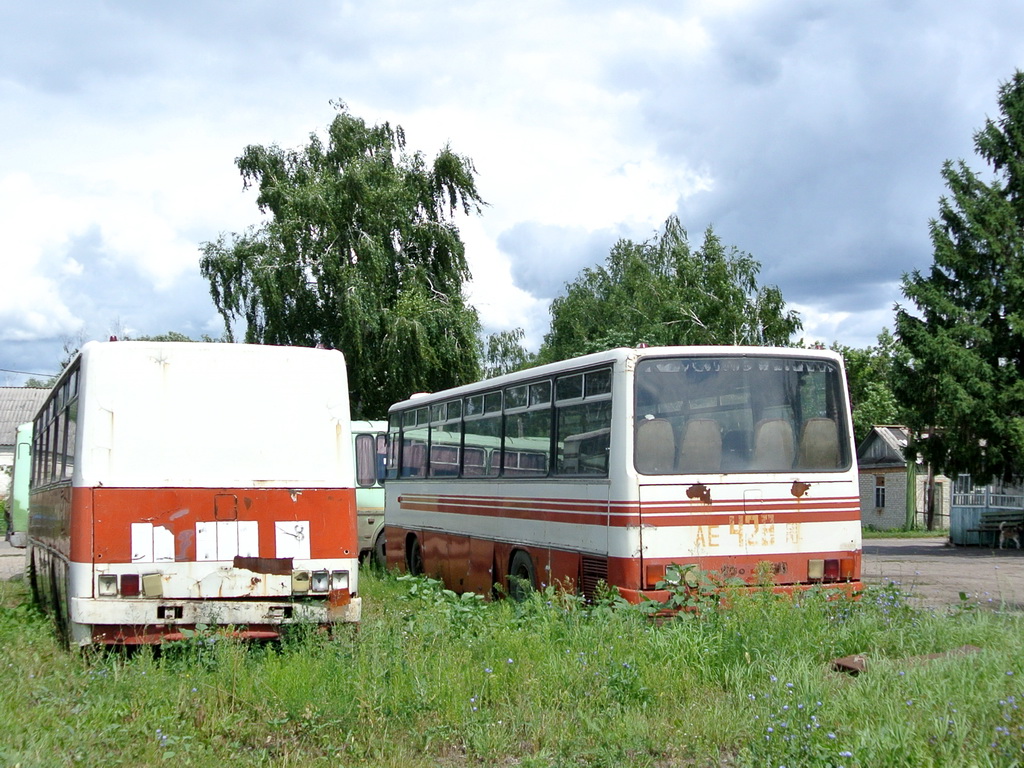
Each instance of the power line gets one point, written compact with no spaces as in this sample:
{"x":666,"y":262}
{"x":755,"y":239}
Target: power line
{"x":28,"y":373}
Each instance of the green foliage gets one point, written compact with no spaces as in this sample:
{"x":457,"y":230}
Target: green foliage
{"x":549,"y":681}
{"x":869,"y":374}
{"x":662,"y":292}
{"x":504,"y":353}
{"x":359,"y":253}
{"x":962,"y":384}
{"x":169,"y":336}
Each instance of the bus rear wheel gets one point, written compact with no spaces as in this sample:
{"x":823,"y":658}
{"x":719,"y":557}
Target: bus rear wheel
{"x":414,"y":556}
{"x":521,"y":575}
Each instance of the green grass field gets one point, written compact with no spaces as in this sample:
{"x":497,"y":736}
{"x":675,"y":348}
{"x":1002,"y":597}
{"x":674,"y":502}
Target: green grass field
{"x":432,"y":679}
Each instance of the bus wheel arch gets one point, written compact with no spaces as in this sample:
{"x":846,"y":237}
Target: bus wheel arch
{"x":522,"y":575}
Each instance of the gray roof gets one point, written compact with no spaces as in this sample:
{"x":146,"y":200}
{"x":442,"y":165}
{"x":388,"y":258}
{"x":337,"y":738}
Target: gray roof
{"x":18,"y":405}
{"x":892,"y":437}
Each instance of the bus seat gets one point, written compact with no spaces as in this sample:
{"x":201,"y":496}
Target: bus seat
{"x":655,"y":447}
{"x":773,"y":445}
{"x":701,"y":449}
{"x":819,"y":444}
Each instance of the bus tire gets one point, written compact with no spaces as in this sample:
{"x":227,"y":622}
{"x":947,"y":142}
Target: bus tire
{"x":379,"y":554}
{"x":60,"y":609}
{"x":414,"y":556}
{"x":32,"y":573}
{"x":521,"y":575}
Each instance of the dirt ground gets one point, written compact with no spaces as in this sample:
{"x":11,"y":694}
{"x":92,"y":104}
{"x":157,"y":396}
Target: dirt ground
{"x":930,"y":571}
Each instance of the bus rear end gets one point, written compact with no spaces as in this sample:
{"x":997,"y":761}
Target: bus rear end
{"x":745,"y":473}
{"x":211,"y":486}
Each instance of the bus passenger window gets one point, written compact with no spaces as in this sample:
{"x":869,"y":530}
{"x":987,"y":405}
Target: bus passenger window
{"x":584,"y":438}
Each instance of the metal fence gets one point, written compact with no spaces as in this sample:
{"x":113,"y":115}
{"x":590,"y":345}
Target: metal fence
{"x":965,"y":514}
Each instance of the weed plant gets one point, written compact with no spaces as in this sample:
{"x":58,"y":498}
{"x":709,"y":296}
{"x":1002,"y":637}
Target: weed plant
{"x":431,"y":678}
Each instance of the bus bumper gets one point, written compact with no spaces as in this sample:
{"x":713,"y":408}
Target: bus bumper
{"x":131,"y":621}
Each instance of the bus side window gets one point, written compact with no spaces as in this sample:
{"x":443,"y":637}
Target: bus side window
{"x":366,"y":460}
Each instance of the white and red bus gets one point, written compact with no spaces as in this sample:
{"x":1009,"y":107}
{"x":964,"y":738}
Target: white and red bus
{"x":735,"y":462}
{"x":177,"y":485}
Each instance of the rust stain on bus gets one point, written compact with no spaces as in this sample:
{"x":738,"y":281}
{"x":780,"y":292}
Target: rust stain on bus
{"x":799,"y":489}
{"x":275,"y":566}
{"x":699,"y":492}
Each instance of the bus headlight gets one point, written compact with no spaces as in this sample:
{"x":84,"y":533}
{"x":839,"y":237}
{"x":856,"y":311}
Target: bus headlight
{"x":300,"y":581}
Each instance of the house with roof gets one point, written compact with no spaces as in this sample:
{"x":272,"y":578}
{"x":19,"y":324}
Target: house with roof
{"x":17,"y":406}
{"x":894,"y":490}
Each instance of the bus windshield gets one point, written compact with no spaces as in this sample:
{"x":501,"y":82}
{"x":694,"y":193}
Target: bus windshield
{"x":739,"y":414}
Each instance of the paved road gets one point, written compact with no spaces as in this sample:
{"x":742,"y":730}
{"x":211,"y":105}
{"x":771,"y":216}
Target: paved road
{"x":931,"y":572}
{"x":12,"y":561}
{"x":934,"y":573}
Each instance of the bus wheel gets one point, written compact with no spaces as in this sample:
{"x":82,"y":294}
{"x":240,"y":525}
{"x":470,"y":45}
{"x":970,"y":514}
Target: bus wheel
{"x":414,"y":556}
{"x":61,"y":614}
{"x":521,"y":576}
{"x":379,"y":555}
{"x":33,"y":577}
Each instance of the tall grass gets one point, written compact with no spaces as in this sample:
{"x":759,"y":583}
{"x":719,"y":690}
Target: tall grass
{"x":432,"y":679}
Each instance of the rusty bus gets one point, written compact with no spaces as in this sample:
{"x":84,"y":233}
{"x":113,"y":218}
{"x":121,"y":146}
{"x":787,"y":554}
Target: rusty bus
{"x":732,"y":463}
{"x":177,"y":485}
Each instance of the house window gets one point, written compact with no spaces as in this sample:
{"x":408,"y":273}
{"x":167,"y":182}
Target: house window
{"x":880,"y":491}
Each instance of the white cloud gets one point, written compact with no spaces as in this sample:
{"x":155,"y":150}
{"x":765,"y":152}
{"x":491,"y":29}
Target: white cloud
{"x":809,"y":135}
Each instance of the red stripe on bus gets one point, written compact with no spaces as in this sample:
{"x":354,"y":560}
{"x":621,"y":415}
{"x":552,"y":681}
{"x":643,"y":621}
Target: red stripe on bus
{"x":622,"y":514}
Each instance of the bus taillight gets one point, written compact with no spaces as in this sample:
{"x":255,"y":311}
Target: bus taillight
{"x":320,"y":581}
{"x":339,"y":579}
{"x":107,"y":585}
{"x":130,"y":585}
{"x":655,"y":574}
{"x":831,"y":570}
{"x":847,"y":569}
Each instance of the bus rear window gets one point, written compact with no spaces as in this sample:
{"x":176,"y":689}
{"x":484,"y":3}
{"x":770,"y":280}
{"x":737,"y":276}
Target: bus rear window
{"x":739,"y":414}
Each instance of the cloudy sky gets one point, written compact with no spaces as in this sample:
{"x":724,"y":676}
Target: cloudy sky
{"x":808,"y":134}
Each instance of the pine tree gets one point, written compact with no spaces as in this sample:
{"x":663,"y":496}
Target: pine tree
{"x":961,"y":383}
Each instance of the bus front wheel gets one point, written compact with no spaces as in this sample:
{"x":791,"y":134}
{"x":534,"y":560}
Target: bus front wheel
{"x":378,"y":554}
{"x":521,"y":575}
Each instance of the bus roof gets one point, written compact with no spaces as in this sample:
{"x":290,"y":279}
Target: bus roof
{"x":617,"y":355}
